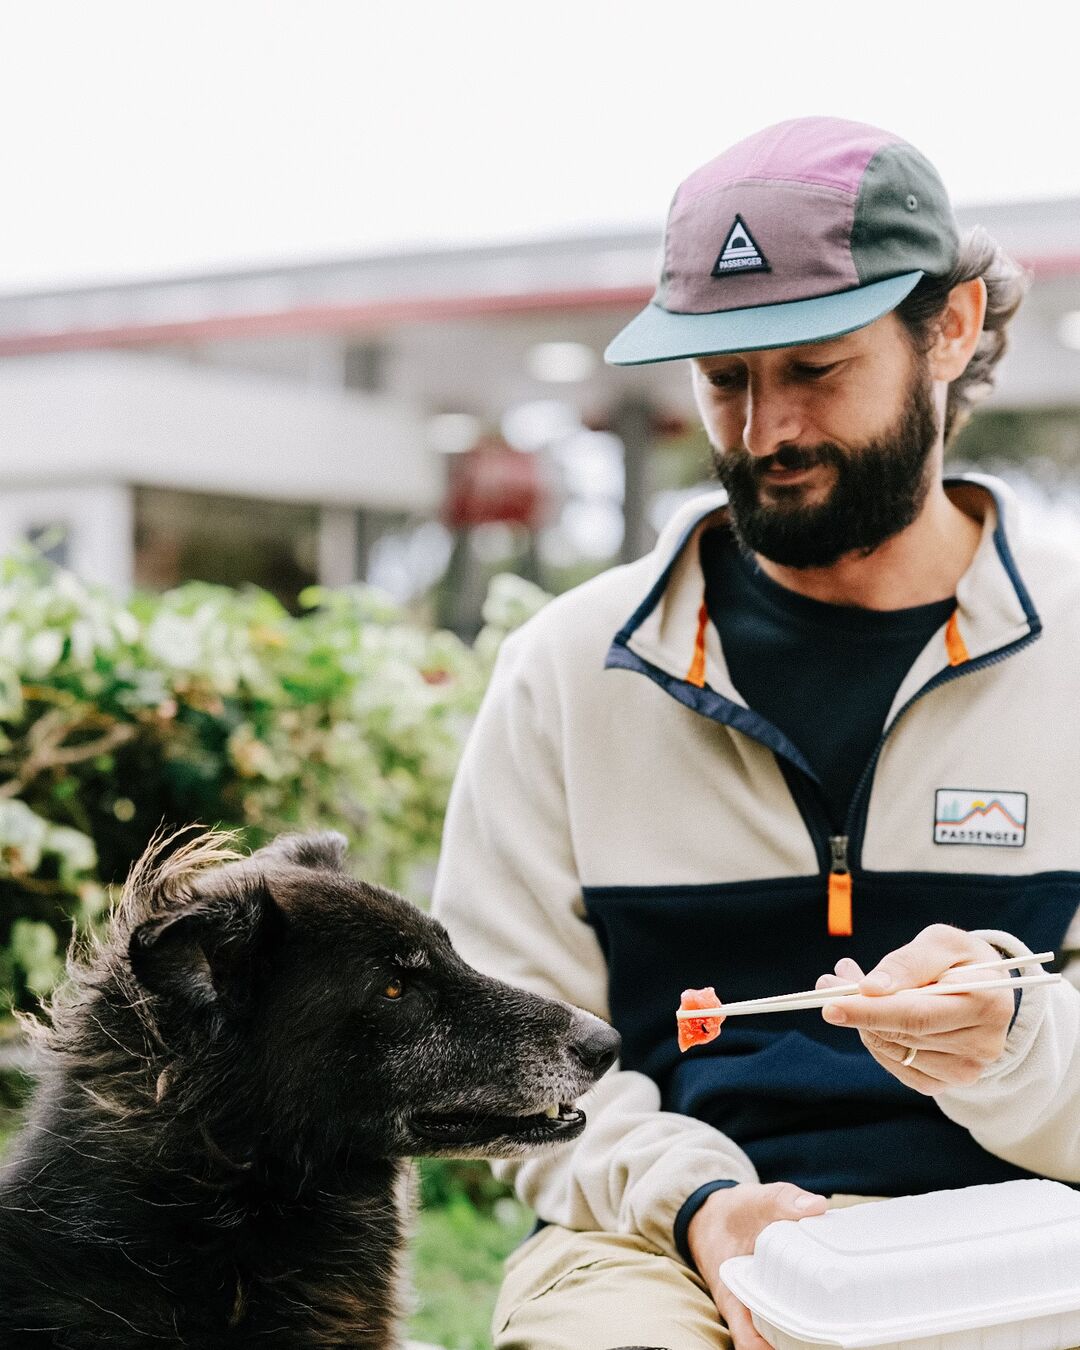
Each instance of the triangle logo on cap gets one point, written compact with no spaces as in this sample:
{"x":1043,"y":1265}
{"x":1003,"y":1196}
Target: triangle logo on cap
{"x":740,"y":253}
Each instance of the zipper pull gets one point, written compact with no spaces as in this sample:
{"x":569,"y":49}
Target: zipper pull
{"x":839,"y":888}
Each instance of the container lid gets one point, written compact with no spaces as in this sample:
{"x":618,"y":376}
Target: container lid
{"x":919,"y":1265}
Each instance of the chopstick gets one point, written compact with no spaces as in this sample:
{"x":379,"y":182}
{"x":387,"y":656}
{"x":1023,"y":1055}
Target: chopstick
{"x":1005,"y":963}
{"x":823,"y":997}
{"x":818,"y":998}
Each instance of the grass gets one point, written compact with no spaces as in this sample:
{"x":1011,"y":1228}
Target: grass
{"x":458,"y":1253}
{"x":466,"y":1229}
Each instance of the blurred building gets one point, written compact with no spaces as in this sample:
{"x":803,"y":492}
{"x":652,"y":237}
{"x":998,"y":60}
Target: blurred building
{"x":135,"y":468}
{"x":289,"y":423}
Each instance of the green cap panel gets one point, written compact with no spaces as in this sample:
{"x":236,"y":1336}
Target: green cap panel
{"x":902,"y":214}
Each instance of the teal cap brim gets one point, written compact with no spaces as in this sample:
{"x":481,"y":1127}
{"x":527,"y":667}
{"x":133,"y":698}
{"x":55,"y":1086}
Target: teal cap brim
{"x":658,"y":334}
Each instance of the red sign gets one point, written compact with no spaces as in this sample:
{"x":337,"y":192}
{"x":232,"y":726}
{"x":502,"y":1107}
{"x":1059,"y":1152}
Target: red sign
{"x":494,"y":483}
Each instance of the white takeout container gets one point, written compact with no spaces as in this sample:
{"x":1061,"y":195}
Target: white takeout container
{"x":983,"y":1268}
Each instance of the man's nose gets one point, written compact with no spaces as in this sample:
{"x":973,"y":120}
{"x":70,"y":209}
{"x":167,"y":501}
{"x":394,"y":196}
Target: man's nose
{"x":771,"y":420}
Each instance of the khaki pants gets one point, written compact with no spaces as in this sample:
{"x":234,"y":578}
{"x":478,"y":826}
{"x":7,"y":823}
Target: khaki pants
{"x":594,"y":1291}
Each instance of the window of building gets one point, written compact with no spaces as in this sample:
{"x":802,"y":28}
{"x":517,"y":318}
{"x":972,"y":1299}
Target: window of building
{"x":233,"y":541}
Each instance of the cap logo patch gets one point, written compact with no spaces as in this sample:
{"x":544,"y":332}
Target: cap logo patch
{"x":740,"y":253}
{"x":993,"y":819}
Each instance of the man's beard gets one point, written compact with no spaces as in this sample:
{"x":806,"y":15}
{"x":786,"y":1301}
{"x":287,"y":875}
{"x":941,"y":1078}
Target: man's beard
{"x":878,"y":491}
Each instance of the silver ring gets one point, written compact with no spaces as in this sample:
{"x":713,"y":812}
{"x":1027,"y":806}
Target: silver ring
{"x":909,"y":1058}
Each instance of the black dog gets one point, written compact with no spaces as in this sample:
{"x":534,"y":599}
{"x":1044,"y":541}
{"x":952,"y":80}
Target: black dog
{"x":231,"y":1080}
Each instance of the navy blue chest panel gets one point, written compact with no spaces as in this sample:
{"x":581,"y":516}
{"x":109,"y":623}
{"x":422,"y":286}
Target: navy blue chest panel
{"x":804,"y":1099}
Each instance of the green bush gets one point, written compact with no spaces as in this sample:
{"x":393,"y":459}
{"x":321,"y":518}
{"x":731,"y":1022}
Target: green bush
{"x":214,"y":706}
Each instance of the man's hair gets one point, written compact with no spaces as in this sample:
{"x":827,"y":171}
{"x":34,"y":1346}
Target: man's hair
{"x":922,"y":310}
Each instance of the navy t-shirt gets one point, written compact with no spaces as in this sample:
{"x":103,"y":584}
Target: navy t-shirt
{"x":825,"y":675}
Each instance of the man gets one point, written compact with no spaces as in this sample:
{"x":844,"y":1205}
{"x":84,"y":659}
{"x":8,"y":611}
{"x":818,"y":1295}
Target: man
{"x":718,"y":765}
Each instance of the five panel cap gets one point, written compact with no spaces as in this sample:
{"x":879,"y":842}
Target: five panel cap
{"x":804,"y":231}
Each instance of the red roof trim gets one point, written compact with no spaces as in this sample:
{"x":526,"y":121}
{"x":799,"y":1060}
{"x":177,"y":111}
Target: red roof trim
{"x":1061,"y":265}
{"x":378,"y":314}
{"x":326,"y":319}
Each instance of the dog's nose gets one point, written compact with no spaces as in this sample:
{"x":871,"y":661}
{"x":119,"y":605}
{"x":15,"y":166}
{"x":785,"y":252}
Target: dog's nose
{"x":594,"y":1042}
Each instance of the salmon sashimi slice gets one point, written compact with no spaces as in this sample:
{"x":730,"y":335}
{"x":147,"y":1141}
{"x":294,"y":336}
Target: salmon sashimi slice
{"x":698,"y":1030}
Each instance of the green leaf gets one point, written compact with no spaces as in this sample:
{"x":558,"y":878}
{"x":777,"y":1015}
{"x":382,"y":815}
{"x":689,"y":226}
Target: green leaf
{"x":33,"y":951}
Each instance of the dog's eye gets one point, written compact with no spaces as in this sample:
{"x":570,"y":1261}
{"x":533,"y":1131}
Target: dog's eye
{"x":394,"y":989}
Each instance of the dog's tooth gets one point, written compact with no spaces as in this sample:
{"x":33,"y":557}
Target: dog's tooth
{"x":552,"y":1112}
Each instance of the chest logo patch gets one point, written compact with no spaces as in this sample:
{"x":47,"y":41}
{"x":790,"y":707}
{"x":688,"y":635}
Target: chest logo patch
{"x":992,"y":819}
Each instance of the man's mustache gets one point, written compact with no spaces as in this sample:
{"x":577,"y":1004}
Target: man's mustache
{"x":787,"y":457}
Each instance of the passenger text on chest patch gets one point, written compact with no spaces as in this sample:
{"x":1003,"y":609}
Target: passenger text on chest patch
{"x":966,"y":816}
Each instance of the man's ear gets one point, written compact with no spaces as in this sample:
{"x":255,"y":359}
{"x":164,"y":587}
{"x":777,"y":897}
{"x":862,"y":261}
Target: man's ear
{"x":204,"y":954}
{"x":326,"y":849}
{"x":959,"y":331}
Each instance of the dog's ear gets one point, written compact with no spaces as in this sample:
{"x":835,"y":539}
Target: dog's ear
{"x":326,"y":849}
{"x":203,"y":955}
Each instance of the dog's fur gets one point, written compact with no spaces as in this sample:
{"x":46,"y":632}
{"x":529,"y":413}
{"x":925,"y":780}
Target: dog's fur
{"x":230,"y":1083}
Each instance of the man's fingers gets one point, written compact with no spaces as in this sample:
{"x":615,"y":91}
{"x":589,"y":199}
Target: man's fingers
{"x":846,"y":969}
{"x":737,"y":1222}
{"x":939,"y":1064}
{"x":921,"y":961}
{"x":962,"y":975}
{"x":908,"y":1040}
{"x":908,"y":1013}
{"x":739,"y":1323}
{"x":929,"y":1072}
{"x":785,"y":1200}
{"x":770,"y":1203}
{"x":779,"y":1200}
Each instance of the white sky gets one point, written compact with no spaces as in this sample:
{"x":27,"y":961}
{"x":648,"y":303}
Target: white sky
{"x":160,"y":136}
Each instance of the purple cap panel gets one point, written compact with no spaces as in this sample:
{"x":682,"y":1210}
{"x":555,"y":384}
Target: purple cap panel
{"x":803,"y":233}
{"x":826,"y":151}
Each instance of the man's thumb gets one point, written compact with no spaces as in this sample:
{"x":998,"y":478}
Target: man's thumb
{"x":791,"y":1202}
{"x":919,"y":962}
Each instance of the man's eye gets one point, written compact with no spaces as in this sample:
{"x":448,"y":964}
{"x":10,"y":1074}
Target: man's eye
{"x":815,"y":372}
{"x":725,"y":379}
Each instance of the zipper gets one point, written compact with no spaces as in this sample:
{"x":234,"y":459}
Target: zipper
{"x":844,"y":848}
{"x":839,"y":844}
{"x":839,"y":887}
{"x":856,"y":817}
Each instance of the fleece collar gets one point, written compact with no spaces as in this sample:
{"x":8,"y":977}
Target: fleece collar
{"x":669,"y":633}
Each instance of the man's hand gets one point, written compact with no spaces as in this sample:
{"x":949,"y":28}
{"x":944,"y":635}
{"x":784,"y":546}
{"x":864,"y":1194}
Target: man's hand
{"x":955,"y":1036}
{"x":728,"y":1224}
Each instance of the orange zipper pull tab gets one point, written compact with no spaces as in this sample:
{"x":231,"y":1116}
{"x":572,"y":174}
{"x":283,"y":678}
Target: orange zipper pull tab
{"x":839,"y":889}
